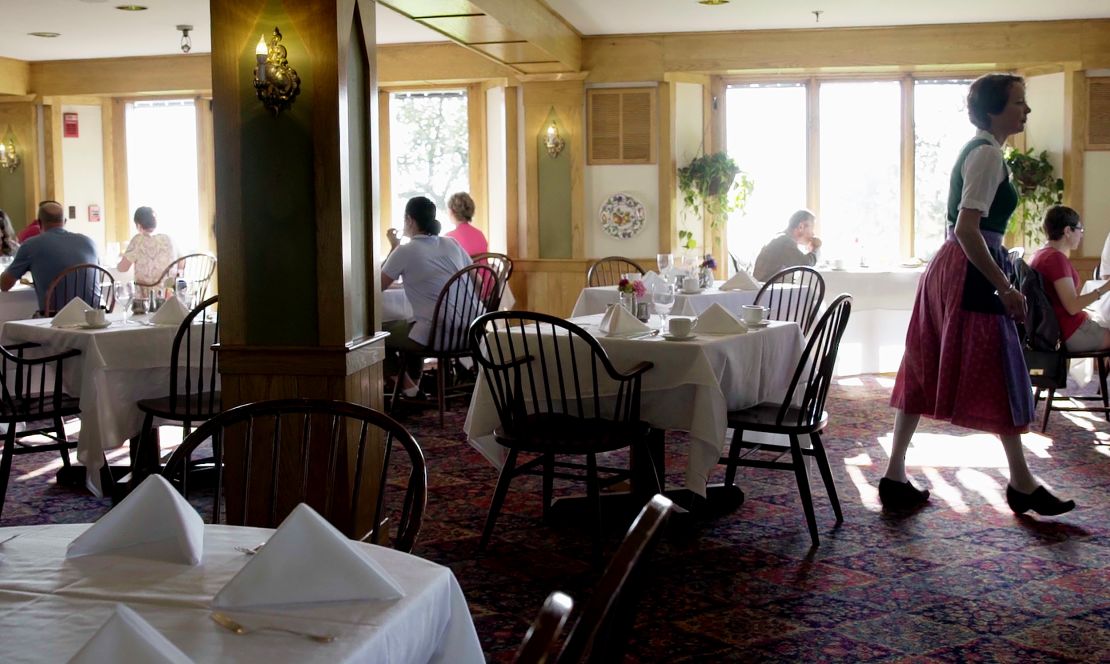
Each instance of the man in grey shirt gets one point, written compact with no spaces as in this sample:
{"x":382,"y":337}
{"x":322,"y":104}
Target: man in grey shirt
{"x":49,"y":254}
{"x":783,"y":252}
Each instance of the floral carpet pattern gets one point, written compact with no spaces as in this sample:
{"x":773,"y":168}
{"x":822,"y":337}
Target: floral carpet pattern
{"x":962,"y":580}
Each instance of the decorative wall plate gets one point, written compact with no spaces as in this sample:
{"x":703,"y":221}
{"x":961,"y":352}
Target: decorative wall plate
{"x":622,"y":216}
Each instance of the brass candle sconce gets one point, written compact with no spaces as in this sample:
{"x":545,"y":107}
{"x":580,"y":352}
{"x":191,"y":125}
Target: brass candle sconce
{"x":553,"y":141}
{"x":9,"y":155}
{"x":276,"y":83}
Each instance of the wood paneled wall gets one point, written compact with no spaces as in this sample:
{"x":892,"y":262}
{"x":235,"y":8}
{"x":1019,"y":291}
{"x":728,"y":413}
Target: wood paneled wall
{"x":552,"y":286}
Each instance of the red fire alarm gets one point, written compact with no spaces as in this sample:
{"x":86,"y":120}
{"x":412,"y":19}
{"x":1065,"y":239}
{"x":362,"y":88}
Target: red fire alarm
{"x":94,"y":213}
{"x":69,"y":125}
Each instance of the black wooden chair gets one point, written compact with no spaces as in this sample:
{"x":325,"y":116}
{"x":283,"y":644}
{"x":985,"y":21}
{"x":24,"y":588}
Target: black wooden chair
{"x":32,"y":394}
{"x":600,"y":634}
{"x":194,"y":396}
{"x":610,"y":270}
{"x":811,"y":382}
{"x":341,"y":451}
{"x":793,"y":294}
{"x":502,"y":265}
{"x":539,"y":643}
{"x":556,"y":394}
{"x":196,"y":269}
{"x":90,"y":282}
{"x":462,"y":300}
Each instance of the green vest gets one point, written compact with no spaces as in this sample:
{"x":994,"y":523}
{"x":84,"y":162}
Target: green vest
{"x":1005,"y":199}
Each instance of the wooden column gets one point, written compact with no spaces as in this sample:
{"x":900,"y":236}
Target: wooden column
{"x":296,"y":206}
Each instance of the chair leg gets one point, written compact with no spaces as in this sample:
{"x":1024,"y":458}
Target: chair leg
{"x":1102,"y":388}
{"x":498,"y":498}
{"x":397,"y":384}
{"x":141,"y":463}
{"x":733,"y":457}
{"x":826,"y":474}
{"x":441,"y":388}
{"x":548,"y":483}
{"x":802,"y":478}
{"x":1036,"y":397}
{"x":1047,"y":408}
{"x":60,"y":432}
{"x":6,"y":463}
{"x":593,"y":495}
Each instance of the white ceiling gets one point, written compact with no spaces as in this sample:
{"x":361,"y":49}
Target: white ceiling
{"x":95,"y":29}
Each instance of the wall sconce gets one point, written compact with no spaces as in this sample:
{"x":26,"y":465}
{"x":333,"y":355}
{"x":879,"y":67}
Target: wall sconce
{"x":9,"y":156}
{"x":276,"y":83}
{"x":552,"y":141}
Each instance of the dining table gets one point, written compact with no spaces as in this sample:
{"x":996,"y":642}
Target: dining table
{"x":691,"y":387}
{"x":18,"y":303}
{"x":595,"y":299}
{"x":118,"y":365}
{"x":52,"y":606}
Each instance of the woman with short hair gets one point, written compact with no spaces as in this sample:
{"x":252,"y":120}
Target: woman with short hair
{"x":151,"y":253}
{"x":460,"y":207}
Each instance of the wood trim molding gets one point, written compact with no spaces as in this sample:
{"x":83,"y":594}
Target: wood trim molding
{"x":1075,"y":138}
{"x":906,"y":232}
{"x":668,"y":180}
{"x":479,"y":174}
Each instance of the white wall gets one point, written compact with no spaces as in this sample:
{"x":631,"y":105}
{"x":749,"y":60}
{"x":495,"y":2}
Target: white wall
{"x":83,"y":173}
{"x":640,"y":182}
{"x":495,"y":169}
{"x":1044,"y":129}
{"x":688,"y":137}
{"x":1096,"y":195}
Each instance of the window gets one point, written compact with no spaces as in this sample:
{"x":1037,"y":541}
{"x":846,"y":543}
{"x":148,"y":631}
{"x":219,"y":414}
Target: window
{"x":941,"y":128}
{"x":162,"y":167}
{"x":429,"y":148}
{"x":767,"y":138}
{"x":857,"y":185}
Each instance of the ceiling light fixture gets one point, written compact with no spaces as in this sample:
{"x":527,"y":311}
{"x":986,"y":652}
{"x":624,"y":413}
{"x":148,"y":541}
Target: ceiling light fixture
{"x":46,"y":35}
{"x":131,"y":8}
{"x":186,"y":40}
{"x":713,"y":3}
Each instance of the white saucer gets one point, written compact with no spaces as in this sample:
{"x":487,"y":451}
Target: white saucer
{"x":762,"y":323}
{"x":671,"y":337}
{"x":95,"y":326}
{"x":690,"y":292}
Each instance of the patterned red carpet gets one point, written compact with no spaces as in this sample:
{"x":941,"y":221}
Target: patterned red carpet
{"x":963,"y":580}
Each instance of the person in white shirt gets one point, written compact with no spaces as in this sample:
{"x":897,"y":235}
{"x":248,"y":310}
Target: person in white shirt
{"x":426,"y":262}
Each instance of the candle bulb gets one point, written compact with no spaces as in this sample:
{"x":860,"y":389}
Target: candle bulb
{"x":260,"y":53}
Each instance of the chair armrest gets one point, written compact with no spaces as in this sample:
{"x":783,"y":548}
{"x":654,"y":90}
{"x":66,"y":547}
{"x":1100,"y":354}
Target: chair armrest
{"x":637,"y":370}
{"x":21,"y":346}
{"x":73,"y":352}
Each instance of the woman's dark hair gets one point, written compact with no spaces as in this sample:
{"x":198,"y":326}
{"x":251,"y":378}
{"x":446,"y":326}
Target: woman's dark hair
{"x":423,"y":213}
{"x":799,"y":218}
{"x":144,"y":217}
{"x":461,"y":205}
{"x":988,"y":96}
{"x":1058,"y":219}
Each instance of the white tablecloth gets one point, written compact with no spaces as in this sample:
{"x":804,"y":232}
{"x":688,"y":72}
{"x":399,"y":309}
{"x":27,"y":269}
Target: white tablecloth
{"x":691,"y":388}
{"x":18,"y":303}
{"x":118,"y":366}
{"x":594,"y":300}
{"x":395,"y":306}
{"x":882,"y":301}
{"x":50,"y":607}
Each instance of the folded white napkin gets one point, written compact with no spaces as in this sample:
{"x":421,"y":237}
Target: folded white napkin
{"x":740,"y":281}
{"x":651,"y":280}
{"x":71,"y":314}
{"x":619,"y":321}
{"x":126,"y":637}
{"x":155,"y":522}
{"x":172,"y":312}
{"x":307,"y":560}
{"x":718,"y":320}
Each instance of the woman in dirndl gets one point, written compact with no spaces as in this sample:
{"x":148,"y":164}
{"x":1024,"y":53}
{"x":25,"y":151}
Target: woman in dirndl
{"x":963,"y":361}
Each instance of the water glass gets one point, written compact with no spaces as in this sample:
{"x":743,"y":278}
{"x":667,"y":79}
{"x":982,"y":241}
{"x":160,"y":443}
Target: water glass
{"x":662,"y":297}
{"x":124,"y":293}
{"x":665,"y":262}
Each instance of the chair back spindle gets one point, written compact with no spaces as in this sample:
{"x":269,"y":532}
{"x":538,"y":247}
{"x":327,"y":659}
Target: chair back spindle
{"x":462,"y":300}
{"x":503,"y":266}
{"x":90,"y":282}
{"x":610,"y":270}
{"x":794,"y":294}
{"x":814,"y":372}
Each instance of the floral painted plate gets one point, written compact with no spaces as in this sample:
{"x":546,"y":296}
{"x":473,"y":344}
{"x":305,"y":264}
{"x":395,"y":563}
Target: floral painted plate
{"x":622,"y":216}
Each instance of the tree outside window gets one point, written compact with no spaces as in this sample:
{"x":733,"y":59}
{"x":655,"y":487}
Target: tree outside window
{"x":429,"y":147}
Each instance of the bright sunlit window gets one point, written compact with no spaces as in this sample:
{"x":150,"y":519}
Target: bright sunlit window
{"x":941,"y":128}
{"x":767,"y":138}
{"x":429,"y":148}
{"x":860,"y":168}
{"x":162,"y":167}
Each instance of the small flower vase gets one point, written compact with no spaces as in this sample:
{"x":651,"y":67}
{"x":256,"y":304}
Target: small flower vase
{"x":628,"y":301}
{"x":705,"y":277}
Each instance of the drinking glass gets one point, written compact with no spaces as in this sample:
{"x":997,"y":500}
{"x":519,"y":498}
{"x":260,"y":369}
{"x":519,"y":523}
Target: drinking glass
{"x":665,"y":261}
{"x":125,"y":292}
{"x":662,"y":297}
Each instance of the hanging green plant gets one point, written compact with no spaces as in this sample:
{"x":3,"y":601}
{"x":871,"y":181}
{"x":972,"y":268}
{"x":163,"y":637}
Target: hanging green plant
{"x":1038,"y":189}
{"x":714,"y":184}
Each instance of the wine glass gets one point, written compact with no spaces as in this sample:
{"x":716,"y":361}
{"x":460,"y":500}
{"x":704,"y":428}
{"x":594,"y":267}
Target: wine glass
{"x":665,"y":261}
{"x":662,"y":297}
{"x":124,"y":292}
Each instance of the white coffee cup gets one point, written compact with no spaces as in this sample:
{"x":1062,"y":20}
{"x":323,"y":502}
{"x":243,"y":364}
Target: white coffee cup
{"x":690,"y":284}
{"x":837,"y":263}
{"x":95,"y":317}
{"x":752,"y":314}
{"x":680,"y":326}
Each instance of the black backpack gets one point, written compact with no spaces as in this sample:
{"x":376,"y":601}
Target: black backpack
{"x":1041,"y":330}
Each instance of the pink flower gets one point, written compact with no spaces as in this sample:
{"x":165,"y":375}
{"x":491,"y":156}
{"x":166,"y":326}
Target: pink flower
{"x":639,"y":288}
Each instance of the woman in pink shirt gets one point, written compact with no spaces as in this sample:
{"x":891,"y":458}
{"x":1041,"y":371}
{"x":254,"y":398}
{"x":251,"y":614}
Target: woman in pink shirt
{"x":461,"y":209}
